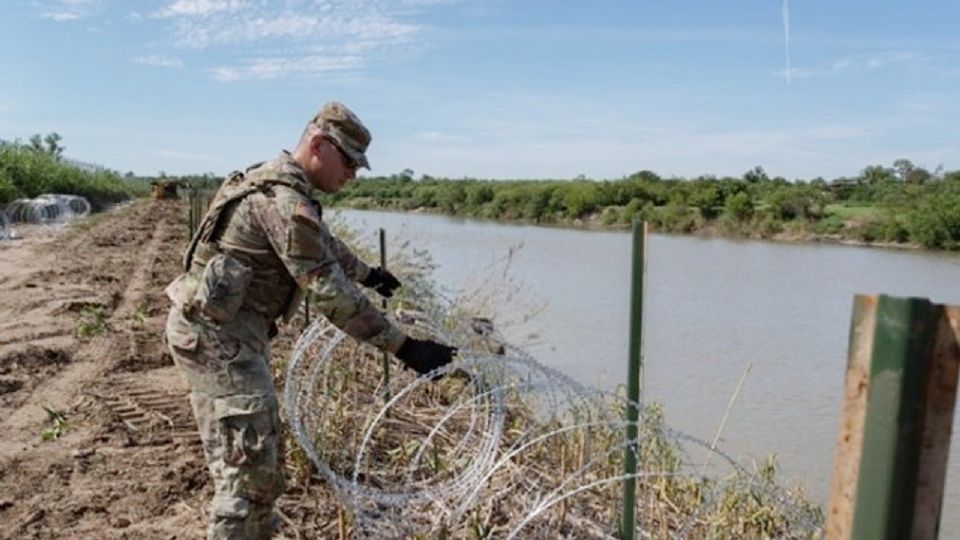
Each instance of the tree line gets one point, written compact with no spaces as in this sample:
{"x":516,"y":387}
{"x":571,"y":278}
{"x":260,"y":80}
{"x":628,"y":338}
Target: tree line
{"x":35,"y":167}
{"x":901,"y":203}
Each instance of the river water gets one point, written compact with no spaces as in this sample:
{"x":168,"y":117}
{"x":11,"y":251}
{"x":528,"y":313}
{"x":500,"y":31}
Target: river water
{"x":712,"y":307}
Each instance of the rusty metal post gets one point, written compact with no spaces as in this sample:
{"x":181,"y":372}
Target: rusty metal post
{"x":628,"y":517}
{"x":192,"y":202}
{"x":899,"y":397}
{"x":306,"y":309}
{"x":383,"y":305}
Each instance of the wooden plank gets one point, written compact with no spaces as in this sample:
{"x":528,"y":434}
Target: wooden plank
{"x":854,"y":409}
{"x":940,"y":389}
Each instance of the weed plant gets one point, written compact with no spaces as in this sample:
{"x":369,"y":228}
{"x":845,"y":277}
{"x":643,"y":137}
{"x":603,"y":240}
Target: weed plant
{"x":93,"y":322}
{"x":58,"y":424}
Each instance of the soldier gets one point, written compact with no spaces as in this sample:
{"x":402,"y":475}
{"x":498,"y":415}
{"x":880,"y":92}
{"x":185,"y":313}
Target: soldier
{"x":260,"y":246}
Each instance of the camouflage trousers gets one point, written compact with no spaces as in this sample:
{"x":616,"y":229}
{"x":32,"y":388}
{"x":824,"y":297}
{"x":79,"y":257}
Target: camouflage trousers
{"x":235,"y":405}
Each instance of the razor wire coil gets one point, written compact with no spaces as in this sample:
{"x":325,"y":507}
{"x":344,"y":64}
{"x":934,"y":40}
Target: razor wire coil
{"x":508,"y":446}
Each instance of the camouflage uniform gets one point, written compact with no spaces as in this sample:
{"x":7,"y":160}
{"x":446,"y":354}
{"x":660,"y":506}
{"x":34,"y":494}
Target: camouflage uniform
{"x":261,"y":243}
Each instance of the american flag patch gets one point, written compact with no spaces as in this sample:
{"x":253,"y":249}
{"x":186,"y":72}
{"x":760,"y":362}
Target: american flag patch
{"x":307,"y":212}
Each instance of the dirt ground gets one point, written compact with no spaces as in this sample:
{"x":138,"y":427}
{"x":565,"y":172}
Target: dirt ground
{"x":96,"y":436}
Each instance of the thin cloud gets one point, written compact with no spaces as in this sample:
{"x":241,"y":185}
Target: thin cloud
{"x":325,"y":36}
{"x":274,"y":68}
{"x":440,"y":136}
{"x":855,"y":64}
{"x":203,"y":33}
{"x":158,"y":60}
{"x":200,"y":7}
{"x":69,"y":10}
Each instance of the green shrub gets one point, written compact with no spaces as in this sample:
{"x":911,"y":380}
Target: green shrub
{"x":935,"y":223}
{"x":25,"y":172}
{"x":832,"y":224}
{"x":578,"y":199}
{"x":739,"y":207}
{"x":611,"y":215}
{"x":676,"y":217}
{"x":8,"y":191}
{"x":478,"y":194}
{"x":768,"y":225}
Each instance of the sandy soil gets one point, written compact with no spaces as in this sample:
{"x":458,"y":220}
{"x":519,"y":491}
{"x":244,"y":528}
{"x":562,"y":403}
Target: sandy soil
{"x":81,"y":318}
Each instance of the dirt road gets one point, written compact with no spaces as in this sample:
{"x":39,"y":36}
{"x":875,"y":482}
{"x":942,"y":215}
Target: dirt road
{"x":82,"y":311}
{"x":81,"y":317}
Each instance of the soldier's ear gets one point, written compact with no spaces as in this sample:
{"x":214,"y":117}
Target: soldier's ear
{"x":316,"y":143}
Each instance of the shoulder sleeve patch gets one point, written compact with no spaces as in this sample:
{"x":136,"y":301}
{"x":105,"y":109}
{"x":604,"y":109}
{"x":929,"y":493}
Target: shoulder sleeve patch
{"x":305,"y":211}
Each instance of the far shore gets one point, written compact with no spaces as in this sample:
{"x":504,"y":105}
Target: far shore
{"x":592,"y":223}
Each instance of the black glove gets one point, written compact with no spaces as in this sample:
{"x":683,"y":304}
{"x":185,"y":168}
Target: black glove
{"x":381,"y":281}
{"x":425,"y":356}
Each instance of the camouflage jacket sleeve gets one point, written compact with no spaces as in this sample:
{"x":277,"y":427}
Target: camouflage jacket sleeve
{"x":351,"y":264}
{"x":310,"y":253}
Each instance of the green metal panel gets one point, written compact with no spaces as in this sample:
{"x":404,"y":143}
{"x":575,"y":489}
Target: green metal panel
{"x":628,"y":519}
{"x":886,"y":487}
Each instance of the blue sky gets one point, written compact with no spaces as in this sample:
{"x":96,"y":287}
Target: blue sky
{"x":492,"y":88}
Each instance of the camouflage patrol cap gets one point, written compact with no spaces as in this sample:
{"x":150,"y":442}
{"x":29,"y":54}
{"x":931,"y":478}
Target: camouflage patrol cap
{"x":339,"y":122}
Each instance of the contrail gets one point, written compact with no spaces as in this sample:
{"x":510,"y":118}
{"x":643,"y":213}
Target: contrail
{"x":786,"y":39}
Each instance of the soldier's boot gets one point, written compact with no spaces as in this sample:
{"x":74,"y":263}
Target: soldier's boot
{"x":266,"y":520}
{"x":240,"y":519}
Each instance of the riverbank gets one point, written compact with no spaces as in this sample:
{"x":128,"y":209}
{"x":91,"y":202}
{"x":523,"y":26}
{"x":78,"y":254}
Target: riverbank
{"x":792,"y":233}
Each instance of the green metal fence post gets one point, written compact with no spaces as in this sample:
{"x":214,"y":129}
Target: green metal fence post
{"x":899,"y":396}
{"x":628,"y":518}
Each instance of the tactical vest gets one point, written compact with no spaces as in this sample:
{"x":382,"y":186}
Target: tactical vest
{"x":268,"y":294}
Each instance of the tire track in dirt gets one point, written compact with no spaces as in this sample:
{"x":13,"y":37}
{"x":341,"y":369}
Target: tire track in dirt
{"x":90,"y":363}
{"x":130,"y":465}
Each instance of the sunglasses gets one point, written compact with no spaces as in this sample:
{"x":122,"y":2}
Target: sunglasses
{"x":346,"y":157}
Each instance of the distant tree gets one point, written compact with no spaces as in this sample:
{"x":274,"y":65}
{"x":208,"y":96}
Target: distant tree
{"x":49,"y":144}
{"x":917,"y":176}
{"x":910,"y":173}
{"x":53,"y":146}
{"x":756,"y":175}
{"x":36,"y":143}
{"x":903,"y":168}
{"x":877,"y":174}
{"x":645,"y":175}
